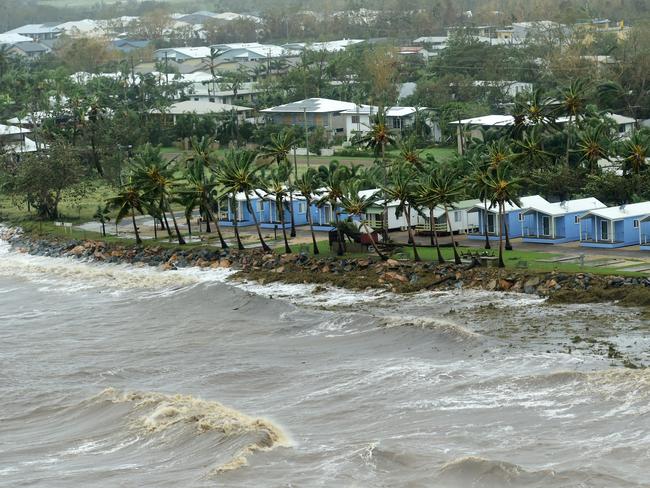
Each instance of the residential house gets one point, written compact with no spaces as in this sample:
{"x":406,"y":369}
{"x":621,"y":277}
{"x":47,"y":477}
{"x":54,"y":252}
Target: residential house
{"x":181,"y":54}
{"x":29,"y":49}
{"x":358,"y":120}
{"x":250,"y":51}
{"x":312,"y":112}
{"x":491,"y":221}
{"x":38,"y":32}
{"x":613,"y":227}
{"x":82,"y":28}
{"x":460,"y":221}
{"x":12,"y":38}
{"x":14,"y":140}
{"x":328,"y":46}
{"x":624,"y":125}
{"x":204,"y":108}
{"x":393,"y":221}
{"x":554,"y":223}
{"x":263,"y":206}
{"x":129,"y":45}
{"x":433,"y":44}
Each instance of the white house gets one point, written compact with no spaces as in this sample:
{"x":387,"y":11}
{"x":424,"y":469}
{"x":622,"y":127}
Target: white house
{"x":312,"y":112}
{"x":358,"y":120}
{"x":375,"y":213}
{"x":180,"y":54}
{"x":461,"y":220}
{"x":14,"y":140}
{"x":250,"y":51}
{"x":204,"y":108}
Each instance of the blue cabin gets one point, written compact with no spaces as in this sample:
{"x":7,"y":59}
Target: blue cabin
{"x":490,"y":220}
{"x":238,"y":207}
{"x":614,"y":227}
{"x":554,"y":223}
{"x":644,"y":233}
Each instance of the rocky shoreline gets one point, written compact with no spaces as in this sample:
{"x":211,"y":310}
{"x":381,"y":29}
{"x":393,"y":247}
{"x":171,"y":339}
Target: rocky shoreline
{"x":351,"y":273}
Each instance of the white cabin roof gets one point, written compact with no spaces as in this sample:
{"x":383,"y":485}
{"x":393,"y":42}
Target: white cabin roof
{"x":567,"y":207}
{"x":312,"y":105}
{"x":622,"y":212}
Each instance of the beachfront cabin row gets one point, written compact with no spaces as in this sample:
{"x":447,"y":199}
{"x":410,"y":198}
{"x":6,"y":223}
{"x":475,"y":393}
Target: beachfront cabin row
{"x":264,"y":208}
{"x":614,"y":227}
{"x":490,"y":221}
{"x":555,"y":223}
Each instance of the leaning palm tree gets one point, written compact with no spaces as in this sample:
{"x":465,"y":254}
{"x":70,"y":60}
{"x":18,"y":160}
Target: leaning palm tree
{"x":276,"y":188}
{"x":127,"y":202}
{"x":427,"y":196}
{"x":573,"y":103}
{"x":239,"y":173}
{"x":155,"y":177}
{"x":309,"y":187}
{"x":101,"y":215}
{"x":198,"y":192}
{"x":278,"y":150}
{"x":377,"y":139}
{"x":448,"y":189}
{"x":401,"y":189}
{"x":356,"y":205}
{"x":503,"y":189}
{"x":476,"y":185}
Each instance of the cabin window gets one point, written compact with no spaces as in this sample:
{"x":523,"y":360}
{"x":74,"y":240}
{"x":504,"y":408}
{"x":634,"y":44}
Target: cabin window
{"x":457,"y":216}
{"x":520,"y":217}
{"x":302,"y":207}
{"x":576,"y":220}
{"x":259,"y":205}
{"x":356,"y":119}
{"x":635,"y":223}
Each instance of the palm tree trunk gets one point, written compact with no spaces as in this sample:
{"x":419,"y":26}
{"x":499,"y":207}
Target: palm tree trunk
{"x":505,"y":228}
{"x":217,"y":226}
{"x":280,"y":208}
{"x":293,"y":220}
{"x":453,"y":241}
{"x":181,"y":241}
{"x":381,"y":255}
{"x":384,"y":226}
{"x":135,"y":227}
{"x":434,"y":233}
{"x":265,"y":247}
{"x":432,"y":241}
{"x":311,"y":226}
{"x":189,"y":226}
{"x":501,"y":214}
{"x":485,"y":226}
{"x":411,"y":237}
{"x":235,"y":225}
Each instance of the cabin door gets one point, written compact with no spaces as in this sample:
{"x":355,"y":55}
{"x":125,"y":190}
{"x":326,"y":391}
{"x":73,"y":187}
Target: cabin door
{"x":546,"y":225}
{"x":604,"y":230}
{"x":490,"y":223}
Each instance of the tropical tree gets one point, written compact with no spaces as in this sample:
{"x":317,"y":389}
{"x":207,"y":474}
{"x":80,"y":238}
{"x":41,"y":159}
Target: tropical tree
{"x":477,"y":186}
{"x":199,"y":192}
{"x":593,"y":146}
{"x":356,"y":204}
{"x":309,"y":186}
{"x":275,"y":186}
{"x":377,"y":139}
{"x":155,"y":177}
{"x":635,"y":151}
{"x":573,"y":103}
{"x":427,"y":196}
{"x":127,"y":202}
{"x":239,"y":173}
{"x":448,"y":189}
{"x":278,"y":150}
{"x":401,"y":188}
{"x":503,"y":189}
{"x":101,"y":215}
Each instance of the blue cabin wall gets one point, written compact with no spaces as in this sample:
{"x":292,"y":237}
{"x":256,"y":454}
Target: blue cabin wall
{"x":624,"y":232}
{"x":512,"y":219}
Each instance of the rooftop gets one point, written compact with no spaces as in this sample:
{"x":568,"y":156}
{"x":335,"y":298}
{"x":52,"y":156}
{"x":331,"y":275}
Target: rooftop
{"x":313,"y":105}
{"x":622,"y":211}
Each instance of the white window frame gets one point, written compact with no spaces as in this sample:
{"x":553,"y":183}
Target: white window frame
{"x":458,"y":216}
{"x":520,"y":216}
{"x":635,"y":223}
{"x":259,"y":205}
{"x":302,"y":207}
{"x":576,"y":219}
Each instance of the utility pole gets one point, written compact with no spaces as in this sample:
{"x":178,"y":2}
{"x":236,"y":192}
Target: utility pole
{"x":304,"y":112}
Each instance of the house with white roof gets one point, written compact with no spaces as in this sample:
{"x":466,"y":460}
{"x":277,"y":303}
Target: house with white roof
{"x":82,"y":28}
{"x":250,"y":51}
{"x":312,"y":112}
{"x":204,"y":108}
{"x":38,"y":32}
{"x":13,"y":38}
{"x":554,"y":223}
{"x":614,"y":227}
{"x":358,"y":120}
{"x":491,"y":222}
{"x":180,"y":54}
{"x":14,"y":140}
{"x":327,"y":46}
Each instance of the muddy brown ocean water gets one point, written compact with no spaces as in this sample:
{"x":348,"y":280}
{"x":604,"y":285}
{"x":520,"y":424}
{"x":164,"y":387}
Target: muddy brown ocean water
{"x":122,"y":376}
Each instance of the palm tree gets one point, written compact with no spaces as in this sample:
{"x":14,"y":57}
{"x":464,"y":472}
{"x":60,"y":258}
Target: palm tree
{"x":278,"y":150}
{"x":308,"y":185}
{"x":127,"y":201}
{"x":199,"y":192}
{"x":592,"y":146}
{"x":239,"y":174}
{"x":635,"y":151}
{"x":573,"y":100}
{"x":334,"y":177}
{"x":528,"y":152}
{"x":503,"y":190}
{"x":155,"y":177}
{"x":427,"y":196}
{"x":101,"y":216}
{"x":448,"y":189}
{"x":377,"y":139}
{"x":275,"y":186}
{"x":202,"y":157}
{"x":357,"y":205}
{"x":476,"y":186}
{"x":401,"y":189}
